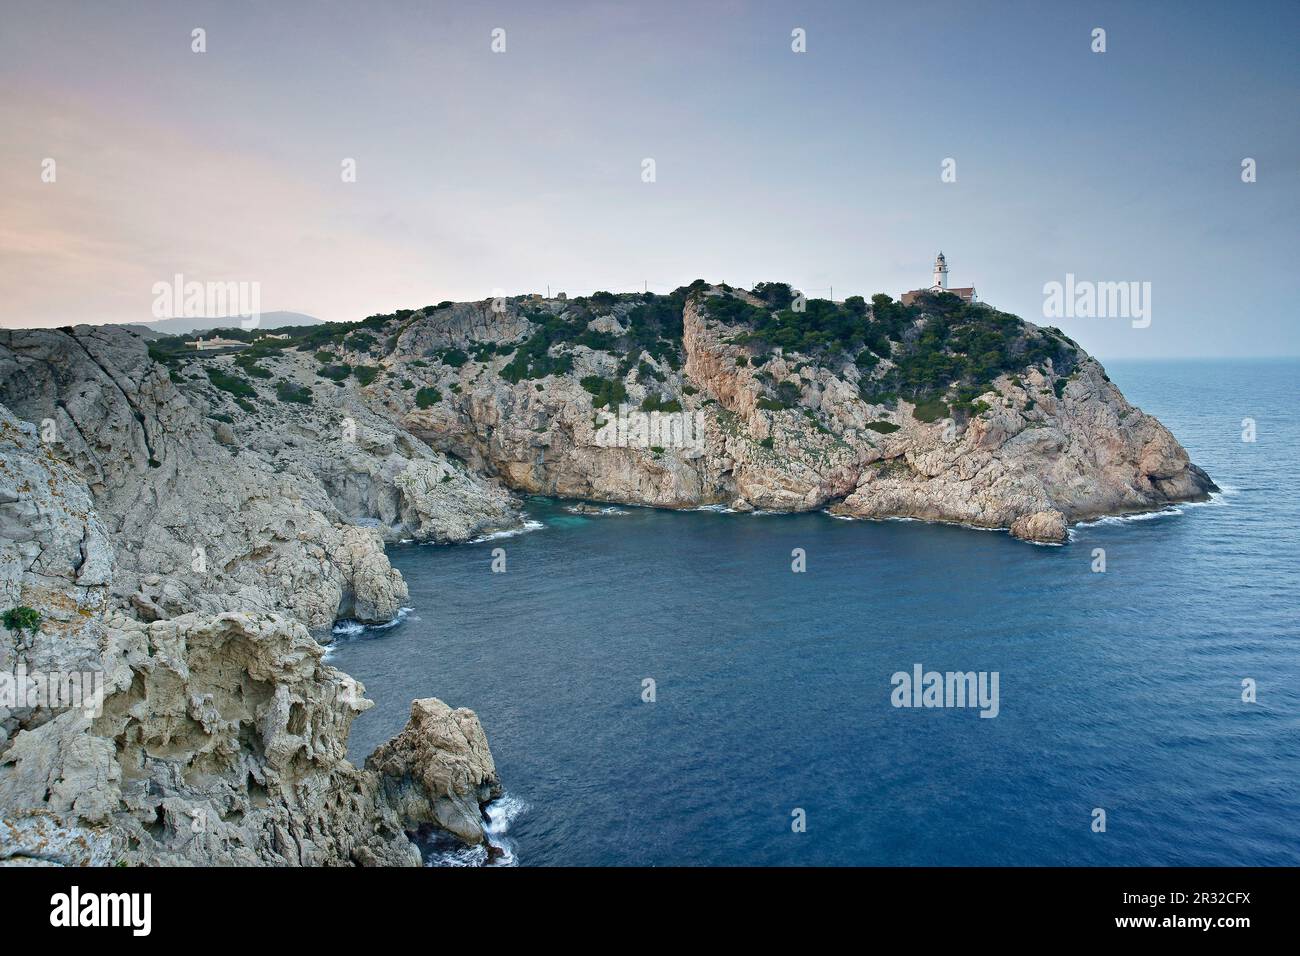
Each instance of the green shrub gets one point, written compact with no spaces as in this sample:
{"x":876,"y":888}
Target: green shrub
{"x":452,"y":356}
{"x":287,"y":391}
{"x":336,"y":373}
{"x":427,"y":396}
{"x":930,"y":410}
{"x":777,"y":295}
{"x":789,"y":393}
{"x":653,"y":403}
{"x":884,"y":427}
{"x":365,"y":374}
{"x":236,"y":385}
{"x":867,"y":360}
{"x":22,"y":619}
{"x":771,"y":405}
{"x":604,"y":391}
{"x":360,"y":342}
{"x":533,"y":360}
{"x":249,"y":364}
{"x":767,"y":442}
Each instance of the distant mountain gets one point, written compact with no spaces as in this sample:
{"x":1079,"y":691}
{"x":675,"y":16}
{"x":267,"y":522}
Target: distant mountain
{"x":185,"y":326}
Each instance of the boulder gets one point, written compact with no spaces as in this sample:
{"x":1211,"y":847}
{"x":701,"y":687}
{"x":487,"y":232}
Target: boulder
{"x":1041,"y":527}
{"x":439,"y":770}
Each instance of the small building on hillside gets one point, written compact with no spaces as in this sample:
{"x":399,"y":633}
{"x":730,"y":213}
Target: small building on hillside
{"x":216,"y":342}
{"x":940,"y":284}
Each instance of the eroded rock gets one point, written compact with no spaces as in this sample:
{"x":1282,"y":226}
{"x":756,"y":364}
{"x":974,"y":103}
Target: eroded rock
{"x":439,"y":770}
{"x":1043,"y":527}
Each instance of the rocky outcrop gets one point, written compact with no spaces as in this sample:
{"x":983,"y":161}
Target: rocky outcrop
{"x":219,"y":741}
{"x":221,"y":502}
{"x":439,"y":770}
{"x":1056,"y":436}
{"x":177,"y":574}
{"x":1043,"y":527}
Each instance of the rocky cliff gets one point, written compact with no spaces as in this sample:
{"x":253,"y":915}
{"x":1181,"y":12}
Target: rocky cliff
{"x":189,"y":526}
{"x":869,"y":411}
{"x":181,"y":549}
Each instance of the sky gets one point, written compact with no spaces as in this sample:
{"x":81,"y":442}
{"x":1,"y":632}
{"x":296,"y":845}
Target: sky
{"x":480,"y":173}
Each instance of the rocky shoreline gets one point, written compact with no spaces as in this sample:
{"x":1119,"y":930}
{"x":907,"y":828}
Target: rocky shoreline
{"x":191,"y":526}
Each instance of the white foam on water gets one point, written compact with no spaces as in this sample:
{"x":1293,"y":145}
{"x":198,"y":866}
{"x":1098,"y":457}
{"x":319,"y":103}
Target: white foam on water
{"x":530,"y":524}
{"x":398,"y":618}
{"x":461,"y":856}
{"x":500,"y":813}
{"x":347,"y":628}
{"x":1123,"y":519}
{"x":1219,"y":497}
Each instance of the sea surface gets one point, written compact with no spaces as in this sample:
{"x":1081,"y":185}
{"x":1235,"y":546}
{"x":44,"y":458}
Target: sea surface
{"x":1119,"y":691}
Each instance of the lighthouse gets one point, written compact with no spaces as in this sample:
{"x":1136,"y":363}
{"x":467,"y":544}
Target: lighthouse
{"x":940,"y":273}
{"x":940,"y":285}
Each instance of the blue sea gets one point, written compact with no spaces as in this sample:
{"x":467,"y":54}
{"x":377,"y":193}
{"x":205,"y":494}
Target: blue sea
{"x":1119,"y":691}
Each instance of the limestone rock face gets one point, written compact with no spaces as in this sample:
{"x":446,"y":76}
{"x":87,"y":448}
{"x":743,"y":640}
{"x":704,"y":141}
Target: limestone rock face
{"x":376,"y":591}
{"x":55,"y":556}
{"x":221,"y":741}
{"x":178,"y":568}
{"x":439,"y":770}
{"x":259,"y":513}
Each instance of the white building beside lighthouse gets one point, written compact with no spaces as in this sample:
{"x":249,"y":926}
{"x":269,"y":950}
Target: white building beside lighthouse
{"x":939,"y":283}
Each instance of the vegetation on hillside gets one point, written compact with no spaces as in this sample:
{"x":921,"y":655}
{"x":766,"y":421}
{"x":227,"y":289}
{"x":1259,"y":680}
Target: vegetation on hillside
{"x":942,"y":352}
{"x":939,"y":353}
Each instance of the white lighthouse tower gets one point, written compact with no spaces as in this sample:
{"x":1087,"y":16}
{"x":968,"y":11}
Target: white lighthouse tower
{"x":940,"y":273}
{"x":940,"y":285}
